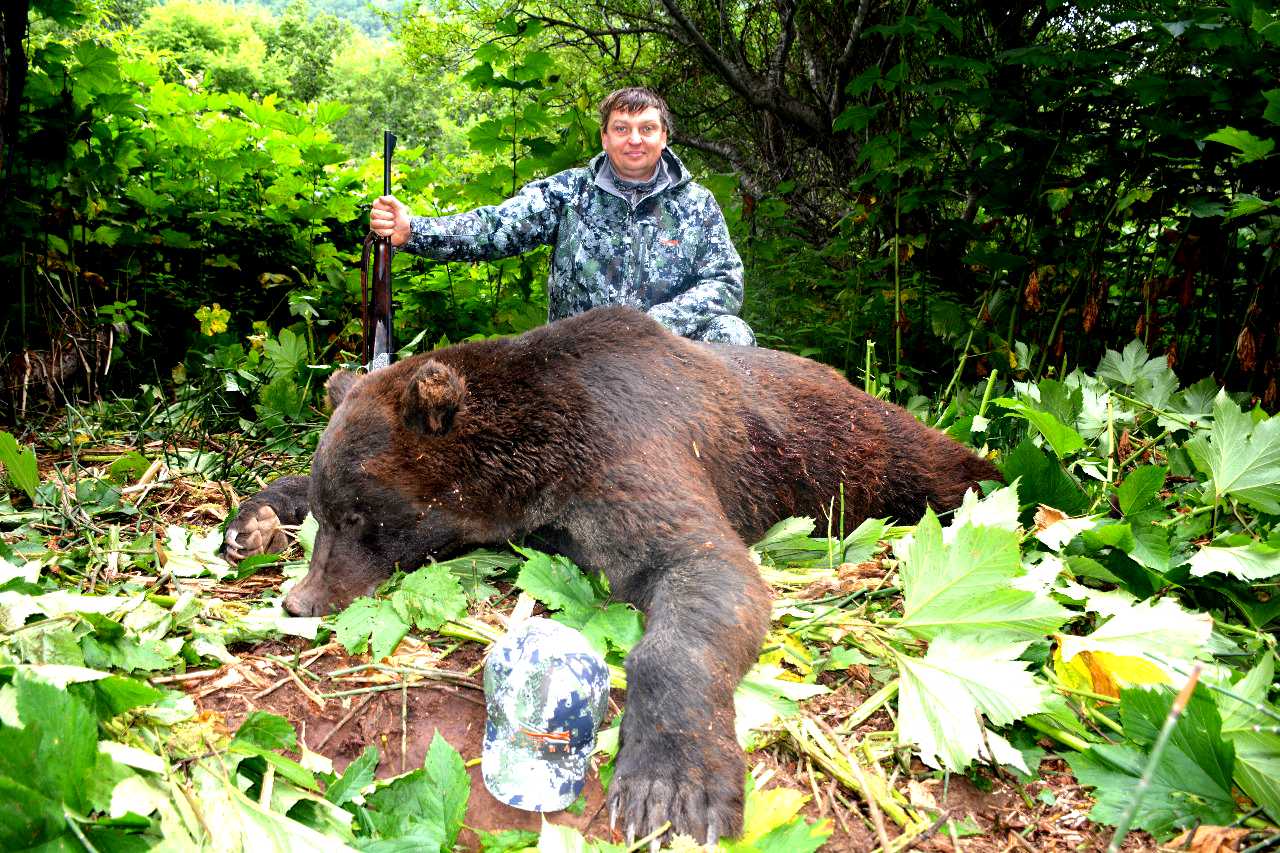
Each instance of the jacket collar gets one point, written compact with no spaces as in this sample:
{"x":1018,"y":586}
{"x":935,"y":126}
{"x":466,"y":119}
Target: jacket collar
{"x":676,"y":172}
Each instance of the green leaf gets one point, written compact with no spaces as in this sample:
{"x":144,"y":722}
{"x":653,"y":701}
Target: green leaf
{"x":114,"y":695}
{"x":618,"y":625}
{"x":447,"y":771}
{"x":1257,"y":764}
{"x":1063,"y":439}
{"x":286,"y":355}
{"x":1140,"y":488}
{"x":56,"y":749}
{"x":506,"y":841}
{"x":1272,"y":112}
{"x":942,"y":695}
{"x":1242,"y":459}
{"x":559,"y":584}
{"x":1129,"y":367}
{"x":1251,"y":148}
{"x":965,"y":585}
{"x":20,"y":464}
{"x":429,"y":597}
{"x":1058,"y":198}
{"x":1249,"y":561}
{"x":267,"y":730}
{"x":1156,"y":630}
{"x":1041,"y":480}
{"x":862,"y":544}
{"x":1191,"y":781}
{"x":368,"y":619}
{"x":356,"y":777}
{"x":28,"y":818}
{"x":763,"y":696}
{"x":798,"y":836}
{"x":424,"y":807}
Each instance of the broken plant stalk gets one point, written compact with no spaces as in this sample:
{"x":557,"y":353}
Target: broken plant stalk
{"x":873,"y":703}
{"x":838,"y":763}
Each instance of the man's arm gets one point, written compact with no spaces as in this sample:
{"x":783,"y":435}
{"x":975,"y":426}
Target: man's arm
{"x":716,"y":282}
{"x":523,"y":222}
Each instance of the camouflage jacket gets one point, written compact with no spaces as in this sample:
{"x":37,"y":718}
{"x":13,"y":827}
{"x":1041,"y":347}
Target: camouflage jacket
{"x":668,"y":254}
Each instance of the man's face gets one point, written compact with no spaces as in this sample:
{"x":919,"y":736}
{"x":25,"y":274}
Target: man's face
{"x":634,"y":142}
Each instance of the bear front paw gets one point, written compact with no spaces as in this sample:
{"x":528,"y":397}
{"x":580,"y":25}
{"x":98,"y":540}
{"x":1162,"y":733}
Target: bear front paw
{"x":256,"y":530}
{"x":699,"y":790}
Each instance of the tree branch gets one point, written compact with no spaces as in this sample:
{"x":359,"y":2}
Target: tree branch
{"x":778,"y":63}
{"x":835,"y":99}
{"x":746,"y":82}
{"x":748,"y":172}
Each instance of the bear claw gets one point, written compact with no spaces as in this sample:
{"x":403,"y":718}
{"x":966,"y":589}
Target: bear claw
{"x":254,"y":531}
{"x":687,"y":808}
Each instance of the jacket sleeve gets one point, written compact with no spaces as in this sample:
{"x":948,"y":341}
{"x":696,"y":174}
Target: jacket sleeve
{"x":715,"y":287}
{"x":525,"y":221}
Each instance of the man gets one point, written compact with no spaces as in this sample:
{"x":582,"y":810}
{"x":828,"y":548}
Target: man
{"x":629,"y":228}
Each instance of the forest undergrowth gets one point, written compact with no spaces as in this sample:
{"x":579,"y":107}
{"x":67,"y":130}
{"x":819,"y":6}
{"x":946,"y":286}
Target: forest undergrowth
{"x":1082,"y":657}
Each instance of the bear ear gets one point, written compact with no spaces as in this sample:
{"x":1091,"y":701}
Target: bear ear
{"x":432,"y":398}
{"x":337,"y":386}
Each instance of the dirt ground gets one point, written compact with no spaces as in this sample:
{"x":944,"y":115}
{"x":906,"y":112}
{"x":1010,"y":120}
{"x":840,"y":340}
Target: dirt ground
{"x":402,"y":723}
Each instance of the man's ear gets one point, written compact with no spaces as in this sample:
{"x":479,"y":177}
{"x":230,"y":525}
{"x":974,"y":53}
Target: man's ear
{"x":340,"y":382}
{"x":433,"y":396}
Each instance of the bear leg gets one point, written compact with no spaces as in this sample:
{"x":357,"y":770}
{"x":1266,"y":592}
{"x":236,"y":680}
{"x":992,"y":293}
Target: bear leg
{"x":675,"y":557}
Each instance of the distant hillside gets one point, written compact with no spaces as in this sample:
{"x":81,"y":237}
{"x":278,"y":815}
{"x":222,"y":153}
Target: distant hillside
{"x":363,"y":14}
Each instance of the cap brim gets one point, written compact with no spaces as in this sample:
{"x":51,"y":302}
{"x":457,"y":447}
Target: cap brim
{"x":525,"y":780}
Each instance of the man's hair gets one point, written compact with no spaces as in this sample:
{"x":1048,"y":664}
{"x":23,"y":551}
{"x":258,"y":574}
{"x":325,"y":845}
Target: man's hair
{"x":634,"y":99}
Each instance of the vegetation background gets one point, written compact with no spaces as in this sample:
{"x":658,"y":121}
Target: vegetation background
{"x":967,"y":186}
{"x":1017,"y":219}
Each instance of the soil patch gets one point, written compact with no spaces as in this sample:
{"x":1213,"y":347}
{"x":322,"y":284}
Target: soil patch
{"x":400,"y":722}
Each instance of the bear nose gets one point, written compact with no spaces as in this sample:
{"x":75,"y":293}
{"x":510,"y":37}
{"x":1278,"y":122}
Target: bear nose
{"x":300,"y":604}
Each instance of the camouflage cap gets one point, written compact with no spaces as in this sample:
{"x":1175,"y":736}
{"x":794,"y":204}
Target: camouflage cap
{"x":546,"y":690}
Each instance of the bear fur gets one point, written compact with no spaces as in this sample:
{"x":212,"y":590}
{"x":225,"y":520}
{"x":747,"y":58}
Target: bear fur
{"x":634,"y":452}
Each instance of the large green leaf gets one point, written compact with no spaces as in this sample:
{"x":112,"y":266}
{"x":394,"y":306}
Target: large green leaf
{"x":1192,"y":780}
{"x":1240,"y":557}
{"x":557,"y":583}
{"x":1130,"y":367}
{"x":370,"y":621}
{"x":964,"y":585}
{"x":1250,"y":147}
{"x":943,"y":694}
{"x":20,"y":463}
{"x":1241,"y":458}
{"x":1257,"y":767}
{"x":1062,"y":438}
{"x":423,"y":809}
{"x":429,"y":597}
{"x":357,"y":776}
{"x":445,"y":768}
{"x":1041,"y":480}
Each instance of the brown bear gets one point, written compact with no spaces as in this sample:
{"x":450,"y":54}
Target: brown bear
{"x":634,"y":452}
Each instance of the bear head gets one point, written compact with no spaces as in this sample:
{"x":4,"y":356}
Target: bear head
{"x":387,"y":483}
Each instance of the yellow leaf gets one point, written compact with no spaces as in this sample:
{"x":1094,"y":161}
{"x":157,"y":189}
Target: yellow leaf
{"x":1105,"y":673}
{"x":768,"y":810}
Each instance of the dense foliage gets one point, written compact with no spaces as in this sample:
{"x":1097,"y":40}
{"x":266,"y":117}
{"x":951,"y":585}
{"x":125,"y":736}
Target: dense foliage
{"x":1018,"y":188}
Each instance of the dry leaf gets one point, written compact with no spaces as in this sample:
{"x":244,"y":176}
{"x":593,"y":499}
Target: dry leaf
{"x":1210,"y":839}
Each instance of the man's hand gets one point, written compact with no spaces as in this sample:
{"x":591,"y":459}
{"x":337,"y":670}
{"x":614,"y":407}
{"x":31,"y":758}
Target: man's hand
{"x":390,"y":218}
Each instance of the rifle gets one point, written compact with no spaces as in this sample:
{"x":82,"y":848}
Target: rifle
{"x":378,"y":347}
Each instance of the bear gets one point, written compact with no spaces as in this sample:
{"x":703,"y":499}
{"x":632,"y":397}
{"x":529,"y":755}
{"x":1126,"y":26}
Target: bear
{"x":634,"y":452}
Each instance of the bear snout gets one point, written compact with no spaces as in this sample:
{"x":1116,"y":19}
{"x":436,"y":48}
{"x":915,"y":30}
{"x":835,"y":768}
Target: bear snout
{"x":301,"y":603}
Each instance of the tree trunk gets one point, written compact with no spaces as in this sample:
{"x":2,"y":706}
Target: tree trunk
{"x":13,"y":71}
